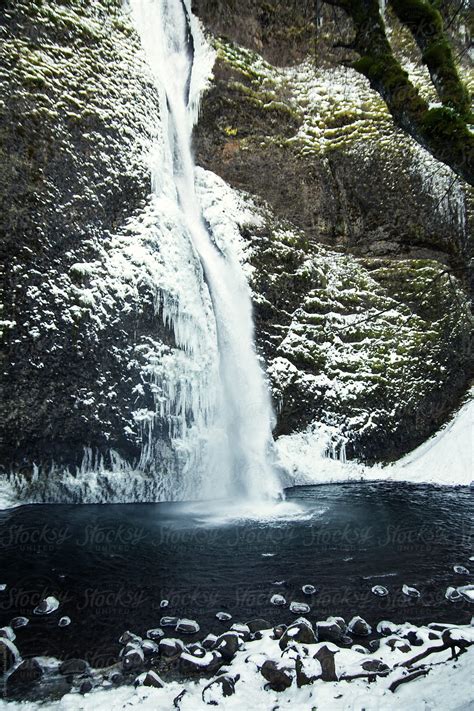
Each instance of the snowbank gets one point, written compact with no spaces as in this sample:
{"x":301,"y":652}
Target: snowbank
{"x":447,"y":686}
{"x":444,"y":459}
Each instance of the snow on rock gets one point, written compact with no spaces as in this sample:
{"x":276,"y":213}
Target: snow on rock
{"x":47,"y":606}
{"x":467,"y":592}
{"x":223,"y":616}
{"x":447,"y":686}
{"x":278,"y":600}
{"x":186,"y":626}
{"x":299,"y":608}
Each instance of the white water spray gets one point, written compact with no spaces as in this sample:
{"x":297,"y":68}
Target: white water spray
{"x":176,"y":52}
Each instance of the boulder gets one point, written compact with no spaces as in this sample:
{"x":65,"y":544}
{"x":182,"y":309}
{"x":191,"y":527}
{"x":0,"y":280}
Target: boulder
{"x":300,"y":631}
{"x":196,"y":649}
{"x":452,"y":594}
{"x":278,"y":631}
{"x":73,"y":666}
{"x":168,"y":621}
{"x":325,"y":656}
{"x":185,"y":626}
{"x":155,"y":633}
{"x":209,"y":641}
{"x":129,"y":647}
{"x":299,"y":608}
{"x":170,"y":647}
{"x":278,"y":600}
{"x":128,"y":637}
{"x":18,"y":622}
{"x":359,"y":649}
{"x":242,"y":630}
{"x":345,"y":641}
{"x":467,"y":592}
{"x":359,"y":627}
{"x":116,"y":677}
{"x":397,"y":643}
{"x":28,"y":672}
{"x":86,"y":686}
{"x":329,"y":631}
{"x":387,"y":628}
{"x":150,"y":678}
{"x":413,"y":636}
{"x":258,"y":624}
{"x":7,"y":633}
{"x":208,"y":664}
{"x":304,"y":675}
{"x":223,"y":616}
{"x":9,"y":655}
{"x":376,"y":666}
{"x":278,"y":676}
{"x":220,"y":687}
{"x":227,"y":645}
{"x":150,"y":647}
{"x":133,"y":659}
{"x":47,"y":606}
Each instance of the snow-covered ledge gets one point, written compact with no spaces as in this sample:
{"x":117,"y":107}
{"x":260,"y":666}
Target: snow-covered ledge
{"x":445,"y":459}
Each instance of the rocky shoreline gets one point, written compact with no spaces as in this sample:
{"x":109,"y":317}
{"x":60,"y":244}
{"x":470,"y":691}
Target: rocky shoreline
{"x":284,"y":659}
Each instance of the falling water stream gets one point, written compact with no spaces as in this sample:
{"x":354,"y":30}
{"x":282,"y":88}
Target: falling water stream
{"x":172,"y":41}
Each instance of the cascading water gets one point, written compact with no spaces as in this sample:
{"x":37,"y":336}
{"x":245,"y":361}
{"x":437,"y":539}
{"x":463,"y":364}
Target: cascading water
{"x":242,"y":459}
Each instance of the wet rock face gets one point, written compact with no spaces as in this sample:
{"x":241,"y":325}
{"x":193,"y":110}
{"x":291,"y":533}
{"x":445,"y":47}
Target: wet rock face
{"x":73,"y":134}
{"x":318,"y":146}
{"x":339,"y":198}
{"x":282,"y":31}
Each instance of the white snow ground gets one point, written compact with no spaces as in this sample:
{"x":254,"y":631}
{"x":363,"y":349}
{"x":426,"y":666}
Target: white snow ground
{"x":448,"y":686}
{"x":444,"y":459}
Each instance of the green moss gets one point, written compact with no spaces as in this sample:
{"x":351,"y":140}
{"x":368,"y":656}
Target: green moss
{"x":258,"y":97}
{"x":415,"y":12}
{"x":382,"y":67}
{"x":439,"y":57}
{"x":35,"y":80}
{"x":444,"y":127}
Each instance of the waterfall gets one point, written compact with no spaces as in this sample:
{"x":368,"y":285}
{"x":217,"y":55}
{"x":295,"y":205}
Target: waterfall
{"x":240,"y":427}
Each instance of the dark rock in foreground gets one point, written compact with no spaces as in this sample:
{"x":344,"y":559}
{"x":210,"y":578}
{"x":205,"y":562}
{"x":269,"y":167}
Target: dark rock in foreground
{"x":278,"y":675}
{"x":221,"y":686}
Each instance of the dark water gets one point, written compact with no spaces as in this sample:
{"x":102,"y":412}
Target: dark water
{"x":111,"y":565}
